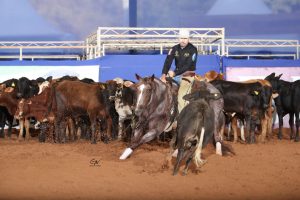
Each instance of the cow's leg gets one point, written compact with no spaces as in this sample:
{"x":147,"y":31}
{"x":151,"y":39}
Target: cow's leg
{"x":108,"y":134}
{"x":57,"y":131}
{"x":94,"y":132}
{"x":234,"y":122}
{"x":229,"y":131}
{"x":2,"y":130}
{"x":248,"y":122}
{"x":21,"y":131}
{"x":62,"y":135}
{"x":10,"y":124}
{"x":51,"y":132}
{"x":43,"y":129}
{"x":242,"y":128}
{"x":264,"y":124}
{"x":187,"y":164}
{"x":252,"y":130}
{"x":269,"y":117}
{"x":280,"y":118}
{"x":269,"y":125}
{"x":27,"y":126}
{"x":170,"y":154}
{"x":291,"y":122}
{"x":2,"y":120}
{"x":297,"y":127}
{"x":71,"y":125}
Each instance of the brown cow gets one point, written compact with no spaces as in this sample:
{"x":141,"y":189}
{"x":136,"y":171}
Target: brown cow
{"x":75,"y":98}
{"x":39,"y":107}
{"x":8,"y":99}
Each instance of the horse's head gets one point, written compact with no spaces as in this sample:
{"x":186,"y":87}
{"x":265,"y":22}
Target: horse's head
{"x":144,"y":89}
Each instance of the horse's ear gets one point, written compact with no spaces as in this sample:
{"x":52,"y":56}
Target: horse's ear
{"x":138,"y":77}
{"x":152,"y":77}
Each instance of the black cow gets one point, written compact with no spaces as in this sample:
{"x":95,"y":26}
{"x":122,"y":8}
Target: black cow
{"x":27,"y":88}
{"x":195,"y":127}
{"x":5,"y":116}
{"x":287,"y":102}
{"x":246,"y":99}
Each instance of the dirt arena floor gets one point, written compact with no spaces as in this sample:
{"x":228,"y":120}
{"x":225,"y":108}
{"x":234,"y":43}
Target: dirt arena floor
{"x":80,"y":170}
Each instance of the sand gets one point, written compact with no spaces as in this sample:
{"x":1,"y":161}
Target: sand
{"x":80,"y":170}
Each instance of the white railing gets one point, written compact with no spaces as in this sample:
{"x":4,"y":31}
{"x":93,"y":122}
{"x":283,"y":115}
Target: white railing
{"x":125,"y":38}
{"x":48,"y":46}
{"x":248,"y":56}
{"x":114,"y":39}
{"x":261,"y":44}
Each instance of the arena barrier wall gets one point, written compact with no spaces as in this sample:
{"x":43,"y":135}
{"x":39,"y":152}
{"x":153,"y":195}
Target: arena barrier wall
{"x":35,"y":69}
{"x":126,"y":66}
{"x":240,"y":70}
{"x":100,"y":69}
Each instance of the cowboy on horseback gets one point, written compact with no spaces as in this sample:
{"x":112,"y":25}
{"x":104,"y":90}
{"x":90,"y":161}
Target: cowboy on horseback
{"x":185,"y":55}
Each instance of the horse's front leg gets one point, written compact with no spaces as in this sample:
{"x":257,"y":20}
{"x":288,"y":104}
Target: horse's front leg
{"x":137,"y":141}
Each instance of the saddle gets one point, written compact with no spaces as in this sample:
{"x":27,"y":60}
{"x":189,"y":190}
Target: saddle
{"x":186,"y":75}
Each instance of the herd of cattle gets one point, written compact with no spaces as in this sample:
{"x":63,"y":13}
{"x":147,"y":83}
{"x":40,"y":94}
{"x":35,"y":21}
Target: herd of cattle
{"x":67,"y":108}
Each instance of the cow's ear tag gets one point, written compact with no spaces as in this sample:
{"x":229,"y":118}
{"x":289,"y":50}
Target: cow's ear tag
{"x":13,"y":84}
{"x":256,"y":92}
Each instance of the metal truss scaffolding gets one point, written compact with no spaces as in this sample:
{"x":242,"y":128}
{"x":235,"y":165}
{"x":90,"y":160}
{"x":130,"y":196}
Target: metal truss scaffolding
{"x":112,"y":39}
{"x":258,"y":44}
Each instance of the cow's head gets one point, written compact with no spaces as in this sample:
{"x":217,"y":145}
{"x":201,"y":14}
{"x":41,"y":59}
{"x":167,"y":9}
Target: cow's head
{"x":274,"y":80}
{"x":201,"y":92}
{"x":22,"y":108}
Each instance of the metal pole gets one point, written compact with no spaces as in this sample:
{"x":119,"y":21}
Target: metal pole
{"x":297,"y":55}
{"x":98,"y":48}
{"x":132,"y":13}
{"x":223,"y":42}
{"x":21,"y":54}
